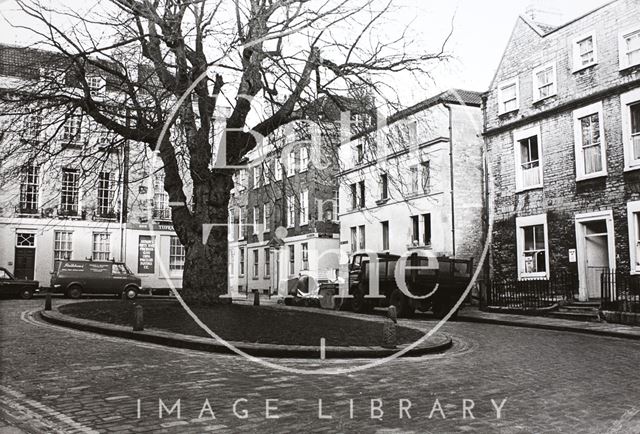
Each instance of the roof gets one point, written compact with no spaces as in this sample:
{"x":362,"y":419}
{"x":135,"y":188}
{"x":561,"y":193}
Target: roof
{"x":544,"y":29}
{"x":451,"y":96}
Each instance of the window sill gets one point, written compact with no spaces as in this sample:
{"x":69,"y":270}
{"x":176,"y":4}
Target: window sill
{"x":633,"y":168}
{"x":500,"y":114}
{"x":626,"y":67}
{"x":591,"y":176}
{"x":382,"y":201}
{"x":584,"y":67}
{"x":533,"y":276}
{"x":533,"y":187}
{"x":541,"y":100}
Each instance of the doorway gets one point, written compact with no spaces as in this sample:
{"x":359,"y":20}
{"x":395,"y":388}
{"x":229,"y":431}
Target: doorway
{"x":25,"y":256}
{"x":595,"y":251}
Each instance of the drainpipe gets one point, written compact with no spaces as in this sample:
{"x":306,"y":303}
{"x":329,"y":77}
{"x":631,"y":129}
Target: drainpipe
{"x":453,"y":209}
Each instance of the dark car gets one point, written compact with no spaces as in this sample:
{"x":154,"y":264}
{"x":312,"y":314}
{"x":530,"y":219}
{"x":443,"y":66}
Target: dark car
{"x":74,"y":278}
{"x":10,"y":286}
{"x":436,"y":286}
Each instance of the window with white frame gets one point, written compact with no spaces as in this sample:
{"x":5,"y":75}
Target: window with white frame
{"x":361,"y":194}
{"x":257,"y":178}
{"x":106,"y":194}
{"x":304,"y":207}
{"x":585,"y":52}
{"x":528,"y":158}
{"x":533,"y":247}
{"x":32,"y":126}
{"x":101,"y":246}
{"x":267,"y":262}
{"x":62,"y":245}
{"x":291,"y":211}
{"x":633,"y":216}
{"x":256,"y":219}
{"x":630,"y":108}
{"x":629,"y":47}
{"x":353,"y":192}
{"x":176,"y":254}
{"x":161,"y":209}
{"x":266,"y":216}
{"x":384,"y":186}
{"x":291,"y":164}
{"x":385,"y":235}
{"x":241,"y":255}
{"x":589,"y":142}
{"x":304,"y":158}
{"x":412,"y":132}
{"x":354,"y":238}
{"x":292,"y":259}
{"x":29,"y":189}
{"x":544,"y":82}
{"x":277,"y":169}
{"x":255,"y":264}
{"x":359,"y":151}
{"x":69,"y":191}
{"x":305,"y":256}
{"x":415,"y":178}
{"x":71,"y":130}
{"x":508,"y":96}
{"x":361,"y":237}
{"x":425,"y":167}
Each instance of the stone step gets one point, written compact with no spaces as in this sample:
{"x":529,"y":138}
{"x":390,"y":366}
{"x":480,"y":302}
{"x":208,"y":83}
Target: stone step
{"x":578,"y":308}
{"x":575,"y":316}
{"x":592,"y":303}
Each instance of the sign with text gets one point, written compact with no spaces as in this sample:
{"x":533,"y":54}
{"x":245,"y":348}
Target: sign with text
{"x":146,"y":254}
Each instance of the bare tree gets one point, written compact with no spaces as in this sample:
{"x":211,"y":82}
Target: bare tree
{"x":285,"y":53}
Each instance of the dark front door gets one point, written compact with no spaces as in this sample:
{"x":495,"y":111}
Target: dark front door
{"x":25,"y":262}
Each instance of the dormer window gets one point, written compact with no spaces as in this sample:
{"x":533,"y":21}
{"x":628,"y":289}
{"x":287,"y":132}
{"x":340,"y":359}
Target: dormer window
{"x":508,"y":96}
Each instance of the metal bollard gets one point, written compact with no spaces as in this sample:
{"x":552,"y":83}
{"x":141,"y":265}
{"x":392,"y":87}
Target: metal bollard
{"x":256,"y":298}
{"x":47,"y":301}
{"x":392,"y":313}
{"x":138,"y":318}
{"x":389,"y":335}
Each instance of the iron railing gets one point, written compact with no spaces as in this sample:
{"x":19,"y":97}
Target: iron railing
{"x":620,"y":291}
{"x":534,"y":293}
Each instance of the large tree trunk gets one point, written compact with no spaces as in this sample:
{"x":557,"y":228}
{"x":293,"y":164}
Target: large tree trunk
{"x":205,"y":274}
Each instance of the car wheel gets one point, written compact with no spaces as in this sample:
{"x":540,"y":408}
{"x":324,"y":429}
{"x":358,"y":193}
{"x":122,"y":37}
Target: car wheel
{"x":402,"y":303}
{"x":75,"y":291}
{"x":26,"y":294}
{"x":131,"y":293}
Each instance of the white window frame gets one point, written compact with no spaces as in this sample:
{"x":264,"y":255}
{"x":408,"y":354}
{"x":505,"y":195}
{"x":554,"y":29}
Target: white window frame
{"x":277,"y":169}
{"x":536,"y":84}
{"x":622,"y":45}
{"x":633,"y":208}
{"x":626,"y":101}
{"x":97,"y":88}
{"x":501,"y":86}
{"x":177,"y":254}
{"x":256,"y":176}
{"x":577,"y":62}
{"x":519,"y":135}
{"x":265,"y":217}
{"x":304,"y":207}
{"x":256,"y":219}
{"x":255,"y":263}
{"x":291,"y":211}
{"x":97,"y":255}
{"x":291,"y":166}
{"x":267,"y":263}
{"x":521,"y":223}
{"x":304,"y":159}
{"x":305,"y":256}
{"x":62,"y":244}
{"x":596,"y":108}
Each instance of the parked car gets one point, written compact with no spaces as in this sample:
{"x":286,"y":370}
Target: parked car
{"x":12,"y":287}
{"x":74,"y":278}
{"x":437,"y":287}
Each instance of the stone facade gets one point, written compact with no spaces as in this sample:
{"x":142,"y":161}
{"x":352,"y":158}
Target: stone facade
{"x":581,"y":189}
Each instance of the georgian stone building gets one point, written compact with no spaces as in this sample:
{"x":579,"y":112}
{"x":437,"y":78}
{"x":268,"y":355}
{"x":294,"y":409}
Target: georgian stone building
{"x":562,"y":127}
{"x":76,"y":193}
{"x":417,"y":181}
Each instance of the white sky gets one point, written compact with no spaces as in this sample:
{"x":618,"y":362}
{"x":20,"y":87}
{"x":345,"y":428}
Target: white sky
{"x":481,"y":32}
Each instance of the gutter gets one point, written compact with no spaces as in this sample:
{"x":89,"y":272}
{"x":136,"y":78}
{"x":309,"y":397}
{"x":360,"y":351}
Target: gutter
{"x":451,"y":179}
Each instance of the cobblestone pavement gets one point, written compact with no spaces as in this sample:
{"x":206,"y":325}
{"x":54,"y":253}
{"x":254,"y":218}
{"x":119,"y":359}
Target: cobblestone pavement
{"x":59,"y":380}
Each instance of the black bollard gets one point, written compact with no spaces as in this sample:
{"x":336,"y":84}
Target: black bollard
{"x":392,"y":313}
{"x":389,"y":335}
{"x":47,"y":301}
{"x":138,"y":318}
{"x":256,"y":298}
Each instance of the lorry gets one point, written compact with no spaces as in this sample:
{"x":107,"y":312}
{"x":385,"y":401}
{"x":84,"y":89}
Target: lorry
{"x":434,"y":283}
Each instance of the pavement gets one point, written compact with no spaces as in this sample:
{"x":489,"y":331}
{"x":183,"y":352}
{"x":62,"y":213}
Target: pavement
{"x":59,"y":380}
